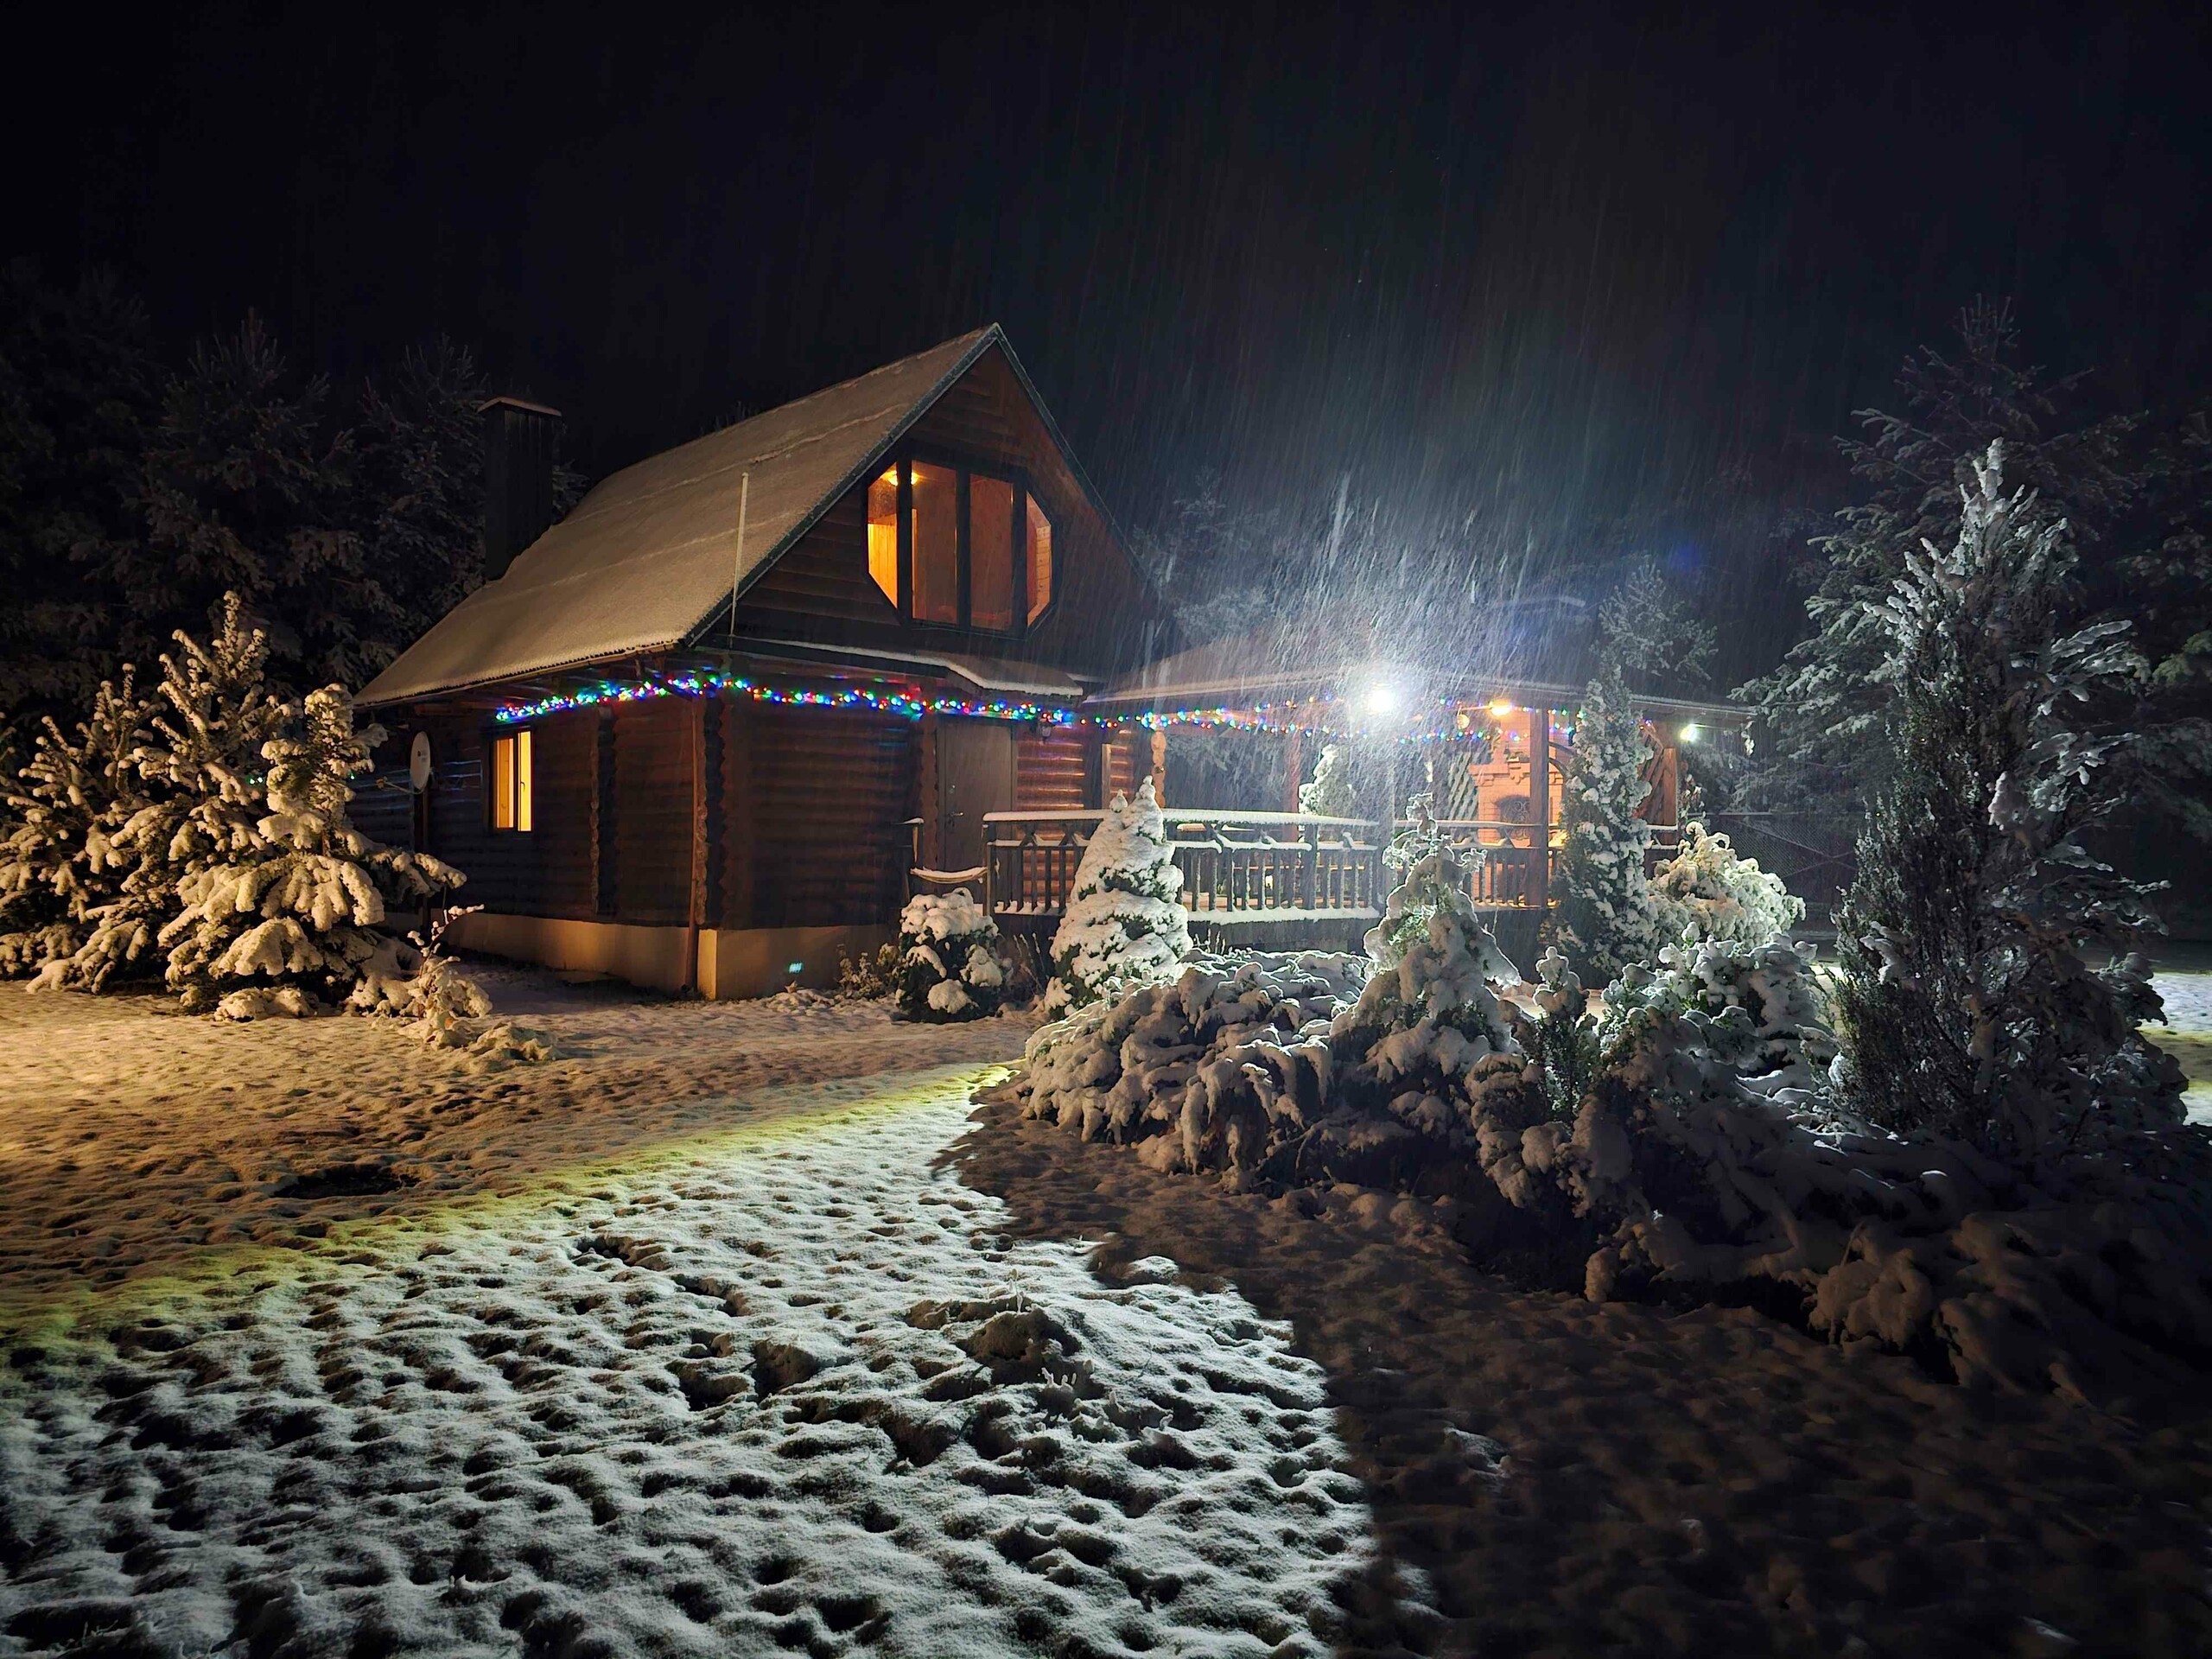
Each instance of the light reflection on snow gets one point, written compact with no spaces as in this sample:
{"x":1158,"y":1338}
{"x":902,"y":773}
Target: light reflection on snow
{"x":786,"y":1383}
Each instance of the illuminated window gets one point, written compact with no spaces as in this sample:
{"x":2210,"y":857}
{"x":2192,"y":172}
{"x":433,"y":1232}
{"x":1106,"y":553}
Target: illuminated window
{"x":973,"y":550}
{"x":991,"y":553}
{"x":883,"y":533}
{"x":512,"y":781}
{"x":937,"y":543}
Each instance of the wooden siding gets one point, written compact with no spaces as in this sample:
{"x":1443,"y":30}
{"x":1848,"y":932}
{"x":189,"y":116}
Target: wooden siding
{"x":1051,"y":773}
{"x":827,"y":794}
{"x":654,"y":758}
{"x":564,"y":748}
{"x":1126,"y":760}
{"x":1101,"y":610}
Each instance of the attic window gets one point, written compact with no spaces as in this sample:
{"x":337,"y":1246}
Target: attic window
{"x":950,"y":546}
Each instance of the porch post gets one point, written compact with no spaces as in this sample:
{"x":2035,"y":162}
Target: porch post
{"x":929,"y":801}
{"x":1160,"y":767}
{"x":1293,"y":768}
{"x":1539,"y":793}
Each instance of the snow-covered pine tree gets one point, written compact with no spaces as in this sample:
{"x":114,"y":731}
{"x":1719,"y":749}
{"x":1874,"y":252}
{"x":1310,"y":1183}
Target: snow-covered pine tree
{"x":1651,"y":631}
{"x":205,"y":723}
{"x":59,"y":863}
{"x":949,"y":967}
{"x":1821,"y":712}
{"x":1971,"y":1005}
{"x":1707,"y":890}
{"x":1330,"y":795}
{"x":287,"y":899}
{"x":1124,"y":926}
{"x":1602,"y":909}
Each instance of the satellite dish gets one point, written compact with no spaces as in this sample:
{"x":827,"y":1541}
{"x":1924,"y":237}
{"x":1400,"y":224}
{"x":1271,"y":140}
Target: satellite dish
{"x":418,"y":762}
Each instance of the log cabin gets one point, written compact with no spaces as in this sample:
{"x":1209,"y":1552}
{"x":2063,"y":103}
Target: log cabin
{"x":710,"y":729}
{"x":696,"y":733}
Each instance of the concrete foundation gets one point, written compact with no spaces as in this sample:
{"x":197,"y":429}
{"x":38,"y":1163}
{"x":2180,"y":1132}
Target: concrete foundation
{"x":725,"y":962}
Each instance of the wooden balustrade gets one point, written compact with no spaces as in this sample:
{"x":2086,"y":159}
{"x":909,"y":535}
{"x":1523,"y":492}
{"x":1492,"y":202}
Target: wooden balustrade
{"x":1244,"y":867}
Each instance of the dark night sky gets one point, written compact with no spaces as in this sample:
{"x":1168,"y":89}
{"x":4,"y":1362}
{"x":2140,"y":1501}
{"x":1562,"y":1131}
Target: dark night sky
{"x":1543,"y":267}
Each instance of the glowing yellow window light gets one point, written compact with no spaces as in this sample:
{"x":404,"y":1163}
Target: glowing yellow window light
{"x":512,"y":777}
{"x":883,"y":534}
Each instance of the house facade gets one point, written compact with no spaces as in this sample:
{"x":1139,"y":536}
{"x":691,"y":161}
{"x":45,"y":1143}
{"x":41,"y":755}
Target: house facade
{"x":697,"y":733}
{"x":709,"y":730}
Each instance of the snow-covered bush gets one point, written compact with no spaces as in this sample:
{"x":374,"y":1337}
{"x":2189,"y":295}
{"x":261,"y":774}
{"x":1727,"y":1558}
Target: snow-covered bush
{"x":1705,"y":891}
{"x":59,"y":863}
{"x":871,"y":977}
{"x":279,"y":888}
{"x":1968,"y":936}
{"x":1603,"y":911}
{"x":948,"y":959}
{"x":1124,"y":926}
{"x":1701,"y":1154}
{"x":1330,"y":794}
{"x":1221,"y":1069}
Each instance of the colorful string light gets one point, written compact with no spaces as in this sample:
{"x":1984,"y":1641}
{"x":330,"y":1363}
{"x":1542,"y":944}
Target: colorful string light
{"x":1274,"y":719}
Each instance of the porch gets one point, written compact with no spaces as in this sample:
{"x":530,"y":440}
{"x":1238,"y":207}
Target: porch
{"x":1260,"y":878}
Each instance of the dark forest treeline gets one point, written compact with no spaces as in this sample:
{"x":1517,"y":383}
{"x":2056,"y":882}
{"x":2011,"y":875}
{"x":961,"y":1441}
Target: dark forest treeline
{"x":137,"y":489}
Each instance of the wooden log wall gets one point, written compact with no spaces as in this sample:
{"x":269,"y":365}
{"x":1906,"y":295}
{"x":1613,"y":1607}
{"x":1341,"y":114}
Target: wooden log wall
{"x":564,"y":755}
{"x":829,"y":794}
{"x":654,"y":809}
{"x":1051,"y":772}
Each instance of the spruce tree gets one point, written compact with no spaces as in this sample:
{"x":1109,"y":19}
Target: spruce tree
{"x":79,"y":389}
{"x":1330,"y":794}
{"x":1821,"y":712}
{"x":1970,"y":995}
{"x":246,"y":488}
{"x":1651,"y":632}
{"x":284,"y":905}
{"x":1124,"y":926}
{"x":211,"y":714}
{"x":1603,"y":915}
{"x":60,"y":863}
{"x":417,"y":482}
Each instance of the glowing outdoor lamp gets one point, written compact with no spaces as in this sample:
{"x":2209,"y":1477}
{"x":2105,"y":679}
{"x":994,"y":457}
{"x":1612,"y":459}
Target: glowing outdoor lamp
{"x":1501,"y":706}
{"x":1689,"y":731}
{"x":1381,"y":699}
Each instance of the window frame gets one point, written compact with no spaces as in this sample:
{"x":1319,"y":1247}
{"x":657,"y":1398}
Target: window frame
{"x":521,"y":793}
{"x":964,"y":468}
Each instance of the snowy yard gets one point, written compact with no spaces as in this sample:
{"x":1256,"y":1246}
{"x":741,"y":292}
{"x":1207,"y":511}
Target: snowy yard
{"x":730,"y":1331}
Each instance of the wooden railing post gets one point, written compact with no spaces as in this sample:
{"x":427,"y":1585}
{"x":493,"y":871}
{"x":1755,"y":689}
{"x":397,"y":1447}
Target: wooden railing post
{"x":1540,"y":792}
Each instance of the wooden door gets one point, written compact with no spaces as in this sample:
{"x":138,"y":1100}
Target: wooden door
{"x":974,"y":776}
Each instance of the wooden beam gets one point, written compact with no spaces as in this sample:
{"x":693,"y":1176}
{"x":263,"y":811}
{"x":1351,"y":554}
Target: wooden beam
{"x":929,"y":804}
{"x":1293,"y":768}
{"x":1160,"y":767}
{"x":1539,"y":803}
{"x":603,"y":814}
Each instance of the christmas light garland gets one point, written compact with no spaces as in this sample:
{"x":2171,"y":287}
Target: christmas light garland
{"x":1269,"y":718}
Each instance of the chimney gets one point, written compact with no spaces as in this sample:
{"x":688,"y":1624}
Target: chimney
{"x":518,"y":442}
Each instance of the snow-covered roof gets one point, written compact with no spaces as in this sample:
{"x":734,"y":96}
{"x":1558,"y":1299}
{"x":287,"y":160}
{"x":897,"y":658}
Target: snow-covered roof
{"x":1288,"y":662}
{"x":651,"y":552}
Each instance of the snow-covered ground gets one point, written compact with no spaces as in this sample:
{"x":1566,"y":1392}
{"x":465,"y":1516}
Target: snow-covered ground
{"x":730,"y":1332}
{"x":2187,"y":1035}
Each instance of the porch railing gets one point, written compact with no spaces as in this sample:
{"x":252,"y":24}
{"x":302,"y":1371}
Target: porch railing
{"x":1245,"y":866}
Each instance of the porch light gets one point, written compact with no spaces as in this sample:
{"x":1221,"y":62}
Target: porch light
{"x":1501,"y":706}
{"x":1689,"y":731}
{"x":1380,"y":699}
